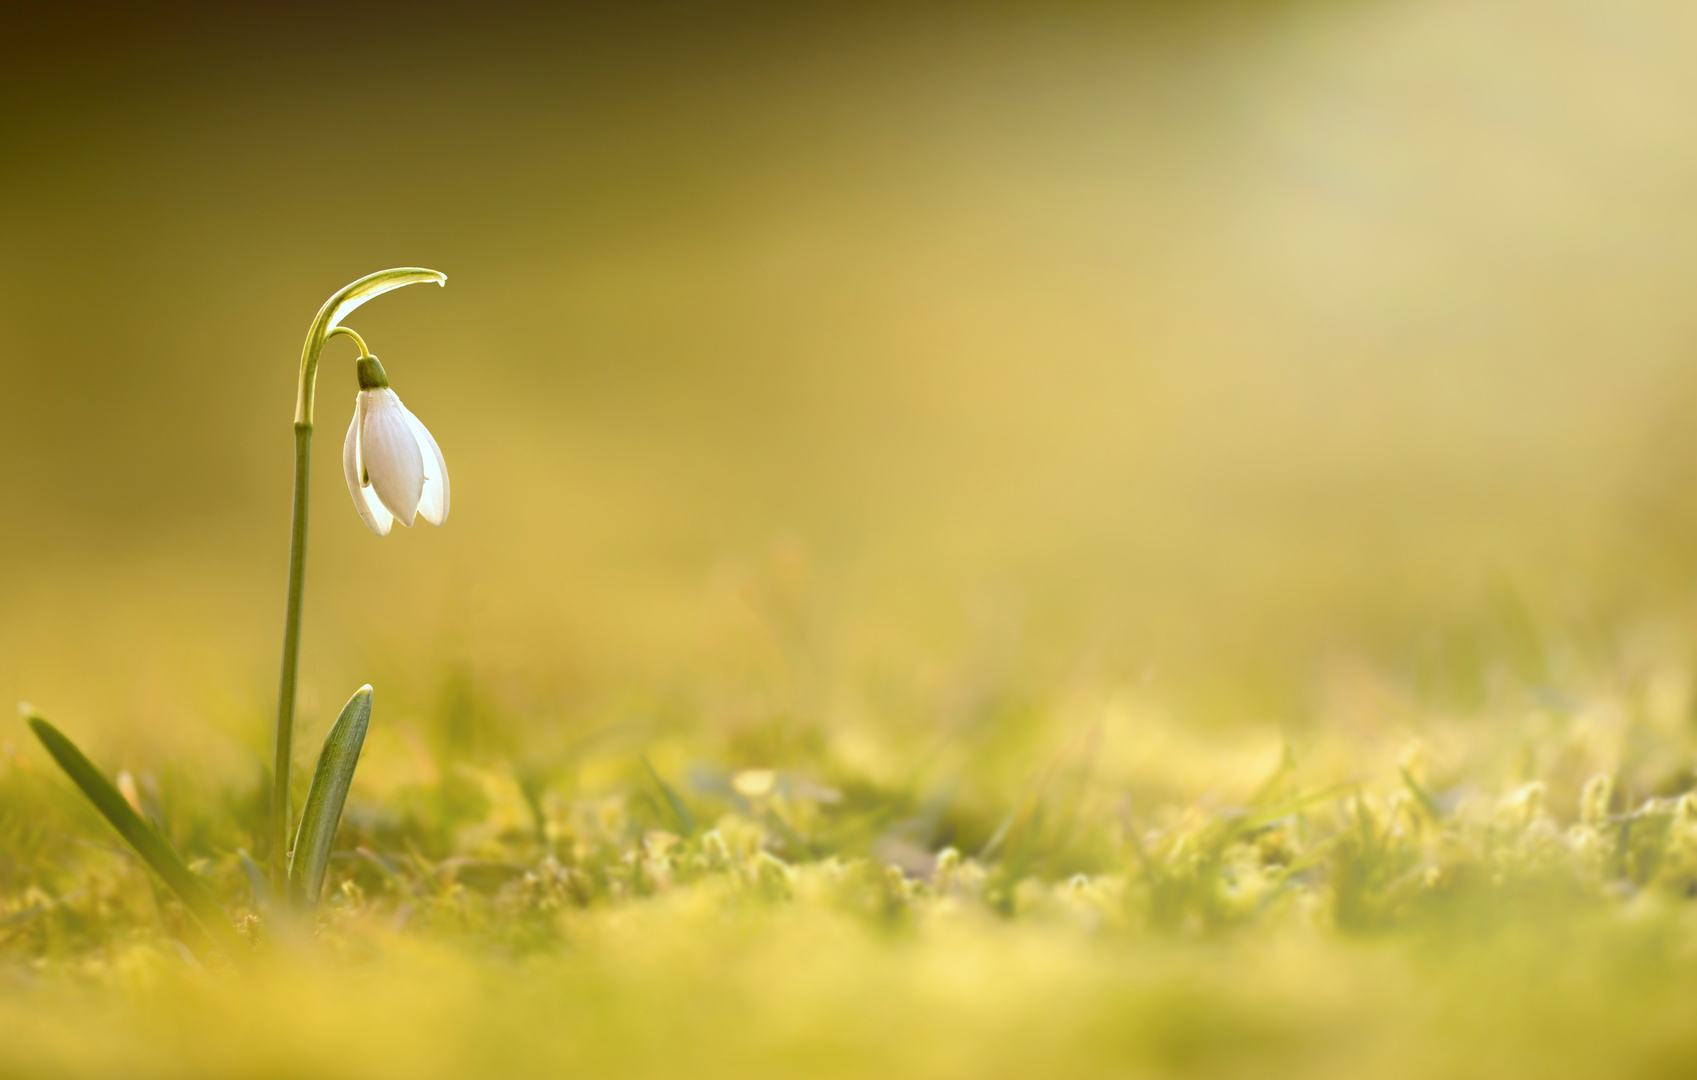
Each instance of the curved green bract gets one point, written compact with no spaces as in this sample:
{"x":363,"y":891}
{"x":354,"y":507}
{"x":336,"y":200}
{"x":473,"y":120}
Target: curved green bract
{"x":335,"y":309}
{"x":154,"y":850}
{"x":324,"y":801}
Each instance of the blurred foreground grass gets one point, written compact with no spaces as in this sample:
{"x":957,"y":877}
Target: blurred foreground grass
{"x":1076,"y":882}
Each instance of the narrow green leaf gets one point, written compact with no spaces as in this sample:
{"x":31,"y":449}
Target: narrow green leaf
{"x":256,"y":882}
{"x":1421,"y":795}
{"x":686,"y":820}
{"x":1252,"y":822}
{"x":154,"y":850}
{"x":324,"y":800}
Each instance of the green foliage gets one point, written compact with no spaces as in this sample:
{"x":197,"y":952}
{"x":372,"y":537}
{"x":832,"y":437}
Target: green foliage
{"x":154,"y":849}
{"x":1518,"y":888}
{"x":331,"y":779}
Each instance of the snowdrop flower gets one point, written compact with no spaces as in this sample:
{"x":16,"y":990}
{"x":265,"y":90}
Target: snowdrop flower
{"x":394,"y":468}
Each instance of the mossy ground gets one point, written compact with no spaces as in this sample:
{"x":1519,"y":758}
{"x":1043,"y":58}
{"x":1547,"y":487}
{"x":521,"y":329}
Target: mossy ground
{"x":1088,"y":884}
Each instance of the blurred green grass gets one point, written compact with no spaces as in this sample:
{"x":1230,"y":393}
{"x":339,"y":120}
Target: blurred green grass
{"x":1149,"y":487}
{"x":1087,"y":886}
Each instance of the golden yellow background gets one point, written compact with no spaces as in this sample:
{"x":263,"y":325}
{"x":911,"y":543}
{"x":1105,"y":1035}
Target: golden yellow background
{"x":841,"y":365}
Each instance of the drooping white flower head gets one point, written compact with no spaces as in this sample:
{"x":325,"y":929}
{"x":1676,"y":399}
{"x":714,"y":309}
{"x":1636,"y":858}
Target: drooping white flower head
{"x":395,"y":470}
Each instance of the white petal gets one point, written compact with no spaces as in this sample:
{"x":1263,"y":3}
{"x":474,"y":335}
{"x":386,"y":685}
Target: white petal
{"x":389,"y":453}
{"x":375,"y":515}
{"x":433,"y":503}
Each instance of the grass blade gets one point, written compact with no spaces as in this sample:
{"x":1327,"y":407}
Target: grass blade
{"x":1296,"y":805}
{"x":686,"y":820}
{"x":324,"y":800}
{"x":1421,"y":795}
{"x":256,"y":880}
{"x":153,"y":848}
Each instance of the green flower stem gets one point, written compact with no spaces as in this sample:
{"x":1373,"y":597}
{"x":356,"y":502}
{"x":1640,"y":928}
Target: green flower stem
{"x":343,"y":331}
{"x":323,"y":326}
{"x":291,"y":665}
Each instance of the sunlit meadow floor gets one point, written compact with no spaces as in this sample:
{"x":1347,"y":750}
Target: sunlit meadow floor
{"x":1402,"y":892}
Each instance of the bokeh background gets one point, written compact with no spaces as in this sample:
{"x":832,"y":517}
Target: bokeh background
{"x":845,"y":369}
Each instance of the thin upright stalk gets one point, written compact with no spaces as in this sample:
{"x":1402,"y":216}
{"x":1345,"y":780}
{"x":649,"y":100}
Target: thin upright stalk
{"x":284,"y":762}
{"x":329,"y":316}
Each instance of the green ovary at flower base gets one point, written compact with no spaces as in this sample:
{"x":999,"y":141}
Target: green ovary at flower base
{"x":394,"y":471}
